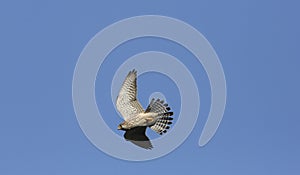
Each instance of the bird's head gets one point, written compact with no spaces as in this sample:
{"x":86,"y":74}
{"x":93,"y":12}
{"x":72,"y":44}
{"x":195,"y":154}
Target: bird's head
{"x":120,"y":127}
{"x":123,"y":126}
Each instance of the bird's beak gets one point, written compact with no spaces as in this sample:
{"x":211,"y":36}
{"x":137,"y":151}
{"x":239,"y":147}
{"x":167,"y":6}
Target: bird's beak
{"x":119,"y":127}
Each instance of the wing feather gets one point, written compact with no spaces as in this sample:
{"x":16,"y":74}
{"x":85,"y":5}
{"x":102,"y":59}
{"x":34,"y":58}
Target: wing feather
{"x":127,"y":103}
{"x":138,"y":137}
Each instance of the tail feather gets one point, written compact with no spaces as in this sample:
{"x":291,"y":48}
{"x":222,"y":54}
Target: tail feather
{"x":164,"y":113}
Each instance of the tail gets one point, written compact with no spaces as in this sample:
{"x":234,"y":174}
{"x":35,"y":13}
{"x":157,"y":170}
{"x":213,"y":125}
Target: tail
{"x":163,"y":110}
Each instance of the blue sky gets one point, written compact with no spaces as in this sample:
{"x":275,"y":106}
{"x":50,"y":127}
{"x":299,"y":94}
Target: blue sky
{"x":256,"y":41}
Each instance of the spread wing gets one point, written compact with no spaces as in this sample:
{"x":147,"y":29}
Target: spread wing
{"x":138,"y":137}
{"x":127,"y":103}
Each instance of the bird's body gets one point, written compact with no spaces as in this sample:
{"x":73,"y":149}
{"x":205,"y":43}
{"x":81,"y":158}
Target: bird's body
{"x":136,"y":119}
{"x":141,"y":119}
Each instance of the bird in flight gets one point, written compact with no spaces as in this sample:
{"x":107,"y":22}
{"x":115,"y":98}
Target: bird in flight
{"x":136,"y":119}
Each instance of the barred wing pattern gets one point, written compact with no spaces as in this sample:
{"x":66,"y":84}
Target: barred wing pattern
{"x":127,"y":103}
{"x":162,"y":124}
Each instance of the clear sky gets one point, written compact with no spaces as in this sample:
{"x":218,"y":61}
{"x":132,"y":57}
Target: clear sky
{"x":256,"y":41}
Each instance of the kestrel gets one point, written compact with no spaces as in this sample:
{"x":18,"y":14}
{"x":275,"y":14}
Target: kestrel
{"x":156,"y":116}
